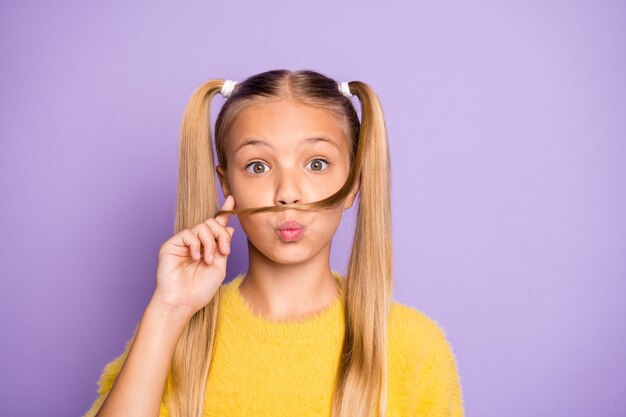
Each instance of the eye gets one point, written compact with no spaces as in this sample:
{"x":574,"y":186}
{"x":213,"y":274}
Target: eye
{"x":257,"y":167}
{"x":318,"y":164}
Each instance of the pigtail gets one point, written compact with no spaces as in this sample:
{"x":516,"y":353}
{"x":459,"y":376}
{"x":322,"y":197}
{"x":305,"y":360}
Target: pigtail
{"x":196,"y":201}
{"x":362,"y":377}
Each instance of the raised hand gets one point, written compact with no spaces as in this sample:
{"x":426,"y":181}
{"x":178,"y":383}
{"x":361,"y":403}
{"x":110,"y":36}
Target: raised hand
{"x":192,"y":264}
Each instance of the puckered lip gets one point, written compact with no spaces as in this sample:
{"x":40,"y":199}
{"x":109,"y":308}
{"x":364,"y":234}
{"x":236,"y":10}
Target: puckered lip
{"x":290,"y":225}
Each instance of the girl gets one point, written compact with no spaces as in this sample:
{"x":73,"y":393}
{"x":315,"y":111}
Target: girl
{"x":290,"y":337}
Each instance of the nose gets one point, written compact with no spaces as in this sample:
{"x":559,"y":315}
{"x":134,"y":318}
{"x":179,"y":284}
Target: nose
{"x":287,"y":189}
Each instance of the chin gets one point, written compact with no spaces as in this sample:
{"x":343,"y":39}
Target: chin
{"x":290,"y":253}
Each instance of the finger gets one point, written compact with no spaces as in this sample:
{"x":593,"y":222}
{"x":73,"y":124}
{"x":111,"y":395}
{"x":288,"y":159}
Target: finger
{"x":205,"y":235}
{"x":190,"y":240}
{"x":229,"y":204}
{"x":221,"y":234}
{"x":231,"y":230}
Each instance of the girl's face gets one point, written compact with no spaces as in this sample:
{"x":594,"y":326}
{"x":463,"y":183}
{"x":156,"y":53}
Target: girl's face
{"x":286,"y":152}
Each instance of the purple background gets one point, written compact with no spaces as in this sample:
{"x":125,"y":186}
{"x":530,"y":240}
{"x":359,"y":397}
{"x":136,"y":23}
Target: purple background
{"x":507,"y":133}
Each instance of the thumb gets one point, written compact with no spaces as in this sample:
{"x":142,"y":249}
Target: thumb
{"x":230,"y":230}
{"x":229,"y":204}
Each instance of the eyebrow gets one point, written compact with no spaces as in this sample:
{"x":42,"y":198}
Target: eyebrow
{"x":309,"y":141}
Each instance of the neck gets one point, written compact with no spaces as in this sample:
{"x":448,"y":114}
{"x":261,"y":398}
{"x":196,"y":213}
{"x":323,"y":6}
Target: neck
{"x":288,"y":291}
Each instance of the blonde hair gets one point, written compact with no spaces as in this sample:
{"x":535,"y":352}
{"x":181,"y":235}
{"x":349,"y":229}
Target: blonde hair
{"x":361,"y":382}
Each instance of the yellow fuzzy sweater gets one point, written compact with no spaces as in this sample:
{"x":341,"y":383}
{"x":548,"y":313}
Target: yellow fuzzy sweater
{"x":262,"y":367}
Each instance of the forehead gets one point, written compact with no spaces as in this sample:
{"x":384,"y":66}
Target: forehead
{"x":284,"y":123}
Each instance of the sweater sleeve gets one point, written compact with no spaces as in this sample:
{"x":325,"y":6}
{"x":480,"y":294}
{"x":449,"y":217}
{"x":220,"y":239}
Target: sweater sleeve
{"x":108,"y":377}
{"x":438,"y":381}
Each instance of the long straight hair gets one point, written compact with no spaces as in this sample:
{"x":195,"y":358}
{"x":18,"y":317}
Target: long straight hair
{"x":361,"y":381}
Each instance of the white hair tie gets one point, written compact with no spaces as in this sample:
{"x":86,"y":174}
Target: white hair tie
{"x":228,"y":87}
{"x":345,"y":89}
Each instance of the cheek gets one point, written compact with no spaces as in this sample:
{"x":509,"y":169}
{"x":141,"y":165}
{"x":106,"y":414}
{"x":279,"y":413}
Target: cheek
{"x":256,"y":225}
{"x":333,"y":217}
{"x":328,"y":220}
{"x":249,"y":195}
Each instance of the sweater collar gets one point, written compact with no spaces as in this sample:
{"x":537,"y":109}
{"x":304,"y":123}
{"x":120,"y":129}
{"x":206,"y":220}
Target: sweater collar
{"x":237,"y":315}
